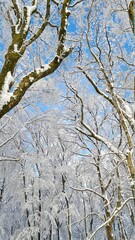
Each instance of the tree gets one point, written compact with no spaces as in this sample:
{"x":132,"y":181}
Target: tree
{"x":27,"y":24}
{"x":131,"y":14}
{"x":67,"y":166}
{"x":104,"y":122}
{"x":42,"y":169}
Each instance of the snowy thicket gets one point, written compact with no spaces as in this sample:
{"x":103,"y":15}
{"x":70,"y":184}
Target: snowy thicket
{"x":67,"y":150}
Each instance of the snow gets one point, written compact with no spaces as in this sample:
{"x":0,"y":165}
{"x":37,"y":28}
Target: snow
{"x":8,"y":79}
{"x":42,"y":69}
{"x":5,"y":95}
{"x":66,"y":49}
{"x":66,"y":10}
{"x":16,"y":26}
{"x":16,"y":48}
{"x":4,"y":99}
{"x":125,"y":106}
{"x":128,"y":109}
{"x":16,"y":29}
{"x":132,"y":183}
{"x":30,"y":10}
{"x":31,"y":79}
{"x":66,"y":22}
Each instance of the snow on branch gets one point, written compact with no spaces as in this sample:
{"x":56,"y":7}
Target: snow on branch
{"x":19,"y":46}
{"x":63,"y":27}
{"x":28,"y":11}
{"x":127,"y":112}
{"x":95,"y":85}
{"x":28,"y":80}
{"x":101,"y":139}
{"x":90,"y":190}
{"x":42,"y":27}
{"x":5,"y":94}
{"x":11,"y":137}
{"x":16,"y":9}
{"x":90,"y":133}
{"x":113,"y":215}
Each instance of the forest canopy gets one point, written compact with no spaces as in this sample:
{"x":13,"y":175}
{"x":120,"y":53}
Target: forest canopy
{"x":67,"y":120}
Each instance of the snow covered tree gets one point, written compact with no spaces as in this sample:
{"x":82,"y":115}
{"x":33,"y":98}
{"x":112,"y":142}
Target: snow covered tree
{"x":37,"y":26}
{"x":67,"y":167}
{"x":101,"y":103}
{"x":43,"y":172}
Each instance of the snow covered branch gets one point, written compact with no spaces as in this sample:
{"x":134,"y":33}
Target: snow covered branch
{"x":92,"y":191}
{"x":9,"y":98}
{"x":114,"y":214}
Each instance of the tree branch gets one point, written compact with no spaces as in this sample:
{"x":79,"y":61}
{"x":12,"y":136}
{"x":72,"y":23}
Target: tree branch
{"x":114,"y":213}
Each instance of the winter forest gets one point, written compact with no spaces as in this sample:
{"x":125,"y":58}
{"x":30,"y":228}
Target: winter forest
{"x":67,"y":120}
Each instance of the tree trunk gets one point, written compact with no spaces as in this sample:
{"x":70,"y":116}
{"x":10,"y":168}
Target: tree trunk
{"x":58,"y":227}
{"x":50,"y":233}
{"x":26,"y":200}
{"x":85,"y":221}
{"x":68,"y":220}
